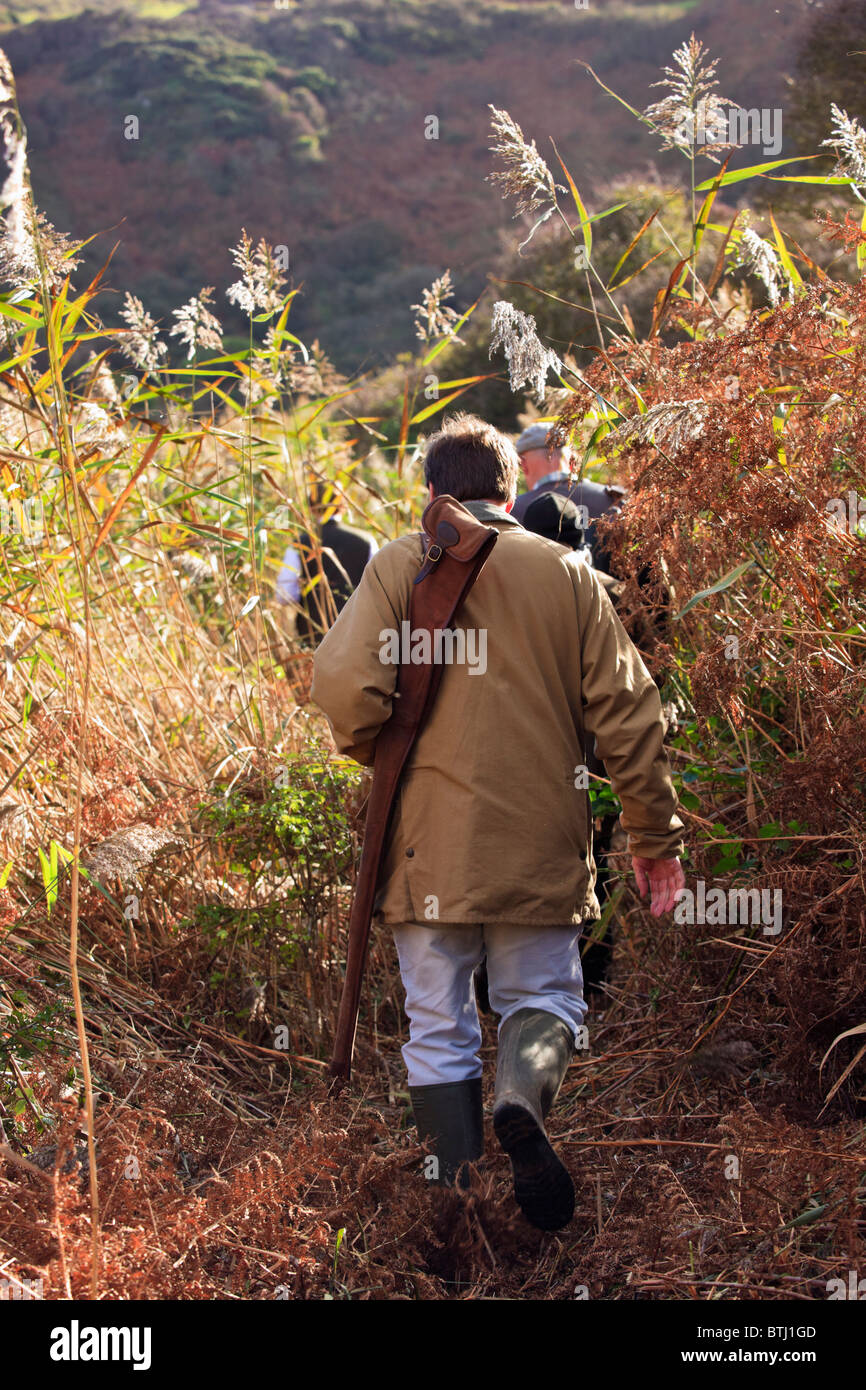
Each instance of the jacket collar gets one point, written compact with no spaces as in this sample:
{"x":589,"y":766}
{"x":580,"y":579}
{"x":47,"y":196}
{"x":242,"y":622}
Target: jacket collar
{"x":557,"y":476}
{"x":490,"y":513}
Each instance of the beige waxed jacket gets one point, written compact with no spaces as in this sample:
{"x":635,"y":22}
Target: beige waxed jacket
{"x":491,"y":822}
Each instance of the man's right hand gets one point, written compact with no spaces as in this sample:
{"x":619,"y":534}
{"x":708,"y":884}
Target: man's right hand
{"x":664,"y":878}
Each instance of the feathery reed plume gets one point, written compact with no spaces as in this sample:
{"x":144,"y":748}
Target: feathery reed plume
{"x":7,"y":82}
{"x":434,"y":318}
{"x":849,"y":142}
{"x":273,"y":369}
{"x":100,"y":381}
{"x":759,"y":258}
{"x":316,"y":376}
{"x":528,"y":359}
{"x":26,"y":232}
{"x":692,"y":114}
{"x":196,"y":326}
{"x":125,"y":853}
{"x":13,"y":426}
{"x":259,"y":289}
{"x":197,"y":568}
{"x":140,"y":344}
{"x":93,"y":426}
{"x":525,"y":175}
{"x":672,"y":423}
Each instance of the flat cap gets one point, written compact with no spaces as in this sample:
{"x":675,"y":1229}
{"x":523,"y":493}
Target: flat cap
{"x":534,"y":436}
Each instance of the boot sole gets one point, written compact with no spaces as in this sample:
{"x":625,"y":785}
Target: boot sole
{"x":543,"y":1188}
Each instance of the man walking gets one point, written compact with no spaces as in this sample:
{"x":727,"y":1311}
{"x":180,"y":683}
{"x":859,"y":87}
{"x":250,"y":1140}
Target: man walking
{"x":490,"y":844}
{"x":547,"y":470}
{"x":318,"y":574}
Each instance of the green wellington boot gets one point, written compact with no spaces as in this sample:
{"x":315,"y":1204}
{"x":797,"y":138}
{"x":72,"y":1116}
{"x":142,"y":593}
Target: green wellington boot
{"x":535,"y":1049}
{"x":450,"y":1118}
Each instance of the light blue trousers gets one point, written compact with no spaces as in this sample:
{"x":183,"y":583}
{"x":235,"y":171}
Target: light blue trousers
{"x":527,"y":967}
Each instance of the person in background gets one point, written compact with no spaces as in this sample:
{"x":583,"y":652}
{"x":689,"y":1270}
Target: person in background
{"x":319,"y":591}
{"x":548,"y":470}
{"x":557,"y":518}
{"x":548,"y":476}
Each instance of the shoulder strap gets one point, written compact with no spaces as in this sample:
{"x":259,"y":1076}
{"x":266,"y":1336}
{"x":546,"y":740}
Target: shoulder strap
{"x":456,"y":550}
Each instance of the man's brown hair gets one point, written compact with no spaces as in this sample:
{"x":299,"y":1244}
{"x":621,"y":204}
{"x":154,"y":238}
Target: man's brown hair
{"x":469,"y":459}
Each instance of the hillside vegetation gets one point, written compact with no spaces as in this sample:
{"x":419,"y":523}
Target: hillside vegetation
{"x":178,"y":840}
{"x":309,"y":124}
